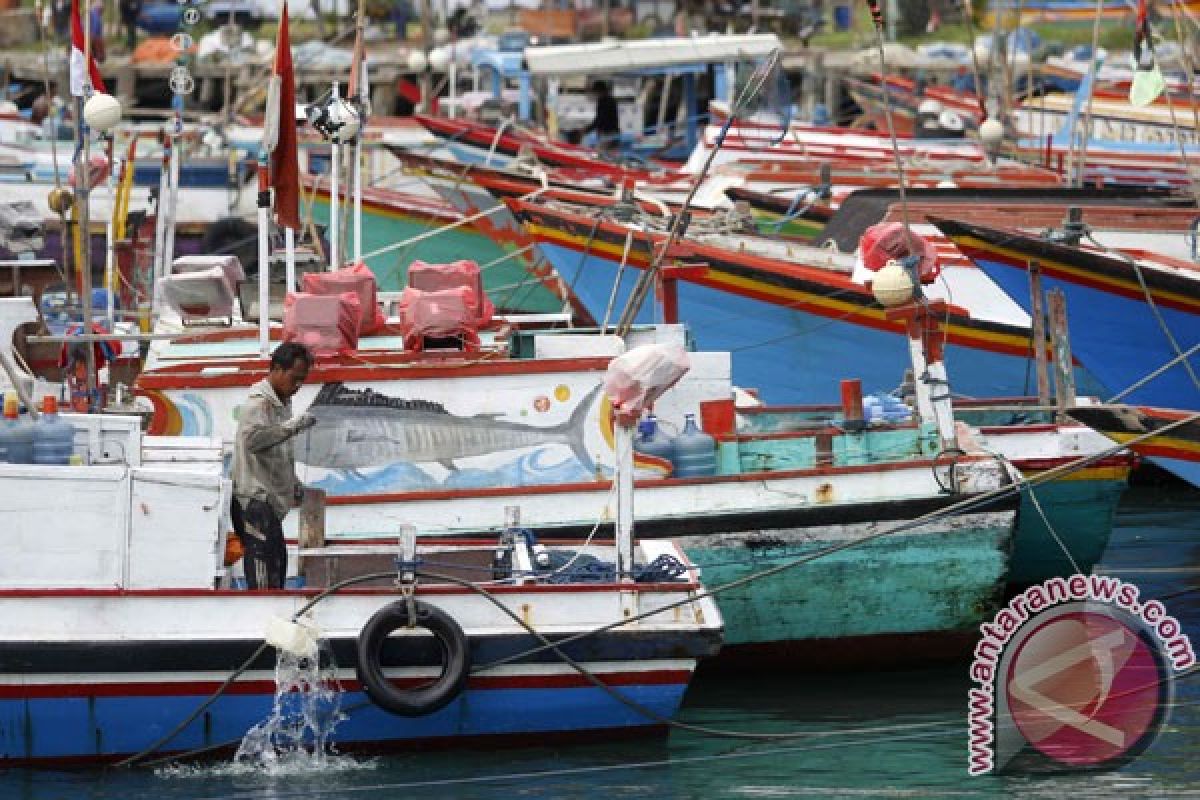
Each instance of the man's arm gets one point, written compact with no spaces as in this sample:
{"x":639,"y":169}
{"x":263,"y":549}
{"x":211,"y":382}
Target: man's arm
{"x":260,"y":434}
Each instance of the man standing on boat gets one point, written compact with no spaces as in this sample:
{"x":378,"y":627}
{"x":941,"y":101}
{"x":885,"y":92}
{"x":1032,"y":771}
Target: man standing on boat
{"x":265,"y":485}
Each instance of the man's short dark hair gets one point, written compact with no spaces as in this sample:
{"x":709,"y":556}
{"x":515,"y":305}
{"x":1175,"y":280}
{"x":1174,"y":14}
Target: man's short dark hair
{"x":288,"y":353}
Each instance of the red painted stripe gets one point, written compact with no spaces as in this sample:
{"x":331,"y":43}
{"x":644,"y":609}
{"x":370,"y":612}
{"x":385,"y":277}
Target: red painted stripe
{"x":168,"y":688}
{"x":426,"y":589}
{"x":249,"y":372}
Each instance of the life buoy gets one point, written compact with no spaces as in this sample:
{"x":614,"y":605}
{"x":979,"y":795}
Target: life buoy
{"x":456,"y":660}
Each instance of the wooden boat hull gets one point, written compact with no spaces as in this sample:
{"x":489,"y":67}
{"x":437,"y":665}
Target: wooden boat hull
{"x":1114,"y":332}
{"x":113,"y":685}
{"x":769,"y":313}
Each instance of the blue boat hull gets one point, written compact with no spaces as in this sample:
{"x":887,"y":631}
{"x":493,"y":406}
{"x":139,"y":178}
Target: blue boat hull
{"x":104,"y":726}
{"x":782,"y":351}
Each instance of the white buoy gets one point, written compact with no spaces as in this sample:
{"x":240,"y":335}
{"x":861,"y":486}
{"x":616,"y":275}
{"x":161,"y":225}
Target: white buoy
{"x":892,"y":285}
{"x":991,"y":132}
{"x":441,"y":35}
{"x":439,"y":59}
{"x":102,"y":112}
{"x":417,"y":61}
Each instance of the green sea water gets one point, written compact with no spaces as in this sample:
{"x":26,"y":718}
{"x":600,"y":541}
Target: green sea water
{"x":884,"y":734}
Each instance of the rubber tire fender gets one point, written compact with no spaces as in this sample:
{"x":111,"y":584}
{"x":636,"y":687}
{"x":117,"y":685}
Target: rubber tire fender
{"x":456,"y":660}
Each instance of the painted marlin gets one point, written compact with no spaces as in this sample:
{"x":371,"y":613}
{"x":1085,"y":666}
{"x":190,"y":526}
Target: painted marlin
{"x":363,"y":428}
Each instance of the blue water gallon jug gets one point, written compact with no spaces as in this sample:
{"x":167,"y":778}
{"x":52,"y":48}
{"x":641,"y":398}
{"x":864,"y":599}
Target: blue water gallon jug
{"x":53,"y":436}
{"x":695,"y":451}
{"x":16,"y":433}
{"x":652,"y":440}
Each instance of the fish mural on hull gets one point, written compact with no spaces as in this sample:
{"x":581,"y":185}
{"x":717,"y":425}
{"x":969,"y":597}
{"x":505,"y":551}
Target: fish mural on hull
{"x":362,"y":428}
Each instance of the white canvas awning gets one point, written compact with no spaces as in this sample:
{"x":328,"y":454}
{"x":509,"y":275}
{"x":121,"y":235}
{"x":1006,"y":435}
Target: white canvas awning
{"x":610,"y":57}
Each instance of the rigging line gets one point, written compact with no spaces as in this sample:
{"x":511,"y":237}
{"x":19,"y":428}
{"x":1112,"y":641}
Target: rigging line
{"x":1149,"y":297}
{"x":1116,"y":398}
{"x":1186,"y":41}
{"x":420,"y":237}
{"x":605,"y":768}
{"x":233,"y":676}
{"x":968,"y":504}
{"x":877,"y":16}
{"x":1187,"y":167}
{"x":1085,"y":133}
{"x":756,"y":83}
{"x":612,"y":297}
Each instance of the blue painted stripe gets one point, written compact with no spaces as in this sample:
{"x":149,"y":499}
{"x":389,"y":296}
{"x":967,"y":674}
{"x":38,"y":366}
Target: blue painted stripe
{"x":1117,"y":338}
{"x":59,"y":728}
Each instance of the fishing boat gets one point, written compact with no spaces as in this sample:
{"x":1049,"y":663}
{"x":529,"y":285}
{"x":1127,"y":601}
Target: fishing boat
{"x":1133,"y":314}
{"x":442,"y":438}
{"x":122,"y":622}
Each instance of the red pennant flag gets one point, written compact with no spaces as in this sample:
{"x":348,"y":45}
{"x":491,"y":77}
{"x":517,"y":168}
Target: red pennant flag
{"x":78,"y":70}
{"x":285,"y":163}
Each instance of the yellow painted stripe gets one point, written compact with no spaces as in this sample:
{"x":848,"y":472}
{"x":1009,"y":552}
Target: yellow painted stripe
{"x":784,"y":296}
{"x":1116,"y":283}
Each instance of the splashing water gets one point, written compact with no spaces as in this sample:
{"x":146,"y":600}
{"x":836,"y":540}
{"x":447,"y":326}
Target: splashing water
{"x":297,"y":734}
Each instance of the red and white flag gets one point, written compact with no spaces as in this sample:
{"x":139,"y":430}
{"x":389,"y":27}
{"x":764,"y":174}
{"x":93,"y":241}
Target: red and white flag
{"x":285,"y":161}
{"x":80,"y":73}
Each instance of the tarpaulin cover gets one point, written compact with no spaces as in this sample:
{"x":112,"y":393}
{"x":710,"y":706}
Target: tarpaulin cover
{"x":356,"y":278}
{"x":889,"y":240}
{"x":435,"y":277}
{"x":636,"y":379}
{"x":438,"y":315}
{"x":229,"y":264}
{"x":202,"y":293}
{"x":326,"y":323}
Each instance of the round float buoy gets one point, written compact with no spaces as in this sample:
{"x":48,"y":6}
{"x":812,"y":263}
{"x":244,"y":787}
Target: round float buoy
{"x":60,"y":200}
{"x":892,"y":285}
{"x":456,"y":660}
{"x":102,"y":112}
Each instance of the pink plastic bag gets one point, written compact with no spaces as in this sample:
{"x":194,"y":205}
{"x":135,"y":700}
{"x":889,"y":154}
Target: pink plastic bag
{"x":636,"y":379}
{"x":355,"y":278}
{"x":326,"y":324}
{"x":464,"y":272}
{"x":438,"y":315}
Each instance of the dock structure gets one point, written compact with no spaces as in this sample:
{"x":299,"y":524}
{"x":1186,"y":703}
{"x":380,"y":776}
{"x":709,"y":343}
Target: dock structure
{"x":818,"y":74}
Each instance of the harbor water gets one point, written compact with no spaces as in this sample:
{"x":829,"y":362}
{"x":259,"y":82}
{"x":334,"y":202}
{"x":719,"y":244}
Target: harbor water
{"x":883,"y":734}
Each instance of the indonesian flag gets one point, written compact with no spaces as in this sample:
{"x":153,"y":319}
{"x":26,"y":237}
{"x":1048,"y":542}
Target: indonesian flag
{"x":79,"y":73}
{"x":285,"y":163}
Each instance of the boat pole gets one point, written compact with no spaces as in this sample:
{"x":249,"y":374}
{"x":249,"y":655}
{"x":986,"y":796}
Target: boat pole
{"x":264,"y":256}
{"x":623,"y":442}
{"x":335,"y":195}
{"x":82,"y":181}
{"x":160,"y":220}
{"x":110,"y":267}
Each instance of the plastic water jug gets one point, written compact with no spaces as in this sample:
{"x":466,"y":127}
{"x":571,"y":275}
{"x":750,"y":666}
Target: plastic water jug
{"x":16,"y":433}
{"x":53,"y":436}
{"x":695,"y":451}
{"x":652,"y":440}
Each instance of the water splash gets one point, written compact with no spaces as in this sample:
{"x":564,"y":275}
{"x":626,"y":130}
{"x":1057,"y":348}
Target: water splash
{"x":297,"y":736}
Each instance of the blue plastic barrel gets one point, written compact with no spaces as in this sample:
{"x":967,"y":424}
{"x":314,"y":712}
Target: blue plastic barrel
{"x":695,"y":451}
{"x":53,"y":436}
{"x":16,"y":433}
{"x":652,"y":440}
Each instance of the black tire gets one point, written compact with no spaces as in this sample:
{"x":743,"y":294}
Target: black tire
{"x":456,"y":660}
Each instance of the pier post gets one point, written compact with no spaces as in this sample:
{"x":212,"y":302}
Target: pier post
{"x":1064,"y":362}
{"x":1037,"y":332}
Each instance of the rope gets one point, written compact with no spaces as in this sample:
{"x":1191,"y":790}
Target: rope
{"x":1085,"y":131}
{"x":1149,"y":297}
{"x":445,"y":228}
